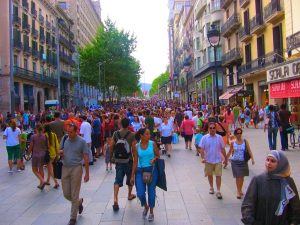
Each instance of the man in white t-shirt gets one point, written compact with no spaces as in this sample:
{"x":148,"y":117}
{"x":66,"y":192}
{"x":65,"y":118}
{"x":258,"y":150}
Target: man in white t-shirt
{"x":86,"y":133}
{"x":189,"y":113}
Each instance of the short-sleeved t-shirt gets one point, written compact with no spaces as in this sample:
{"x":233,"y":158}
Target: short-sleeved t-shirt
{"x":23,"y":143}
{"x":73,"y":151}
{"x":86,"y":131}
{"x":97,"y":126}
{"x":57,"y":127}
{"x":12,"y":137}
{"x":130,"y":138}
{"x":150,"y":122}
{"x":212,"y":146}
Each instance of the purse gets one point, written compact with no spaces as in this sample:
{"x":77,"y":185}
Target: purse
{"x":246,"y":153}
{"x":147,"y":176}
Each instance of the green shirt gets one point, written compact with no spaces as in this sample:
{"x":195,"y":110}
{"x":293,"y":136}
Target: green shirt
{"x":236,"y":111}
{"x":149,"y":121}
{"x":23,"y":143}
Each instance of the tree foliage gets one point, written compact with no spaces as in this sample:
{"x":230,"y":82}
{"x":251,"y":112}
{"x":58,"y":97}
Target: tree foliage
{"x":159,"y":81}
{"x":113,"y":48}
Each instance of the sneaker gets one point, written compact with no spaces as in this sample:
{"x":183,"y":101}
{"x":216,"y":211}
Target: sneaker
{"x":151,"y":217}
{"x":19,"y":170}
{"x":211,"y":191}
{"x":10,"y":171}
{"x":145,"y":212}
{"x":80,"y":207}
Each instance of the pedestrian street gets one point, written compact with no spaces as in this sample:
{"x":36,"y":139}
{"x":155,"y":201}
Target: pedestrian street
{"x":187,"y":200}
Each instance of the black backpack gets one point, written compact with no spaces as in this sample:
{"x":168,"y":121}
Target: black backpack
{"x":121,"y":148}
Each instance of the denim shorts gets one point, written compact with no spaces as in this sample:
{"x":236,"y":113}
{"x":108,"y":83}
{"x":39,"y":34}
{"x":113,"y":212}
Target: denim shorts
{"x":123,"y":169}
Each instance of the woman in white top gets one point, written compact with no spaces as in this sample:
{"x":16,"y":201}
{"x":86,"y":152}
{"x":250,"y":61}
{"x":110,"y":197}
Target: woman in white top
{"x":12,"y":136}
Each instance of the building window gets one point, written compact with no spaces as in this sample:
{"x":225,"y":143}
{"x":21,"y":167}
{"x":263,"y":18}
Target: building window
{"x":197,"y":43}
{"x":227,"y":14}
{"x":229,"y":44}
{"x":34,"y":67}
{"x":25,"y":64}
{"x":204,"y":57}
{"x":64,"y":5}
{"x":16,"y":60}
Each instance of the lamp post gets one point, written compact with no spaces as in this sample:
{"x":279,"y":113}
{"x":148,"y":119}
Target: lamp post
{"x":213,"y":36}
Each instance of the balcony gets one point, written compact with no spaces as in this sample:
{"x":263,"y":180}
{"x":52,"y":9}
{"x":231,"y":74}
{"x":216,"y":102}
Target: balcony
{"x":65,"y":58}
{"x":30,"y":75}
{"x":273,"y":12}
{"x":200,"y":7}
{"x":293,"y":41}
{"x":27,"y":50}
{"x":25,"y":27}
{"x":34,"y":33}
{"x":231,"y":25}
{"x":25,"y":4}
{"x":33,"y":13}
{"x":257,"y":25}
{"x":53,"y":29}
{"x":48,"y":25}
{"x":16,"y":21}
{"x":244,"y":3}
{"x":49,"y":58}
{"x":244,"y":34}
{"x":41,"y":19}
{"x":232,"y":57}
{"x":66,"y":75}
{"x":54,"y":61}
{"x":17,"y":45}
{"x":225,"y":3}
{"x":42,"y":38}
{"x":206,"y":67}
{"x":259,"y":65}
{"x":35,"y":54}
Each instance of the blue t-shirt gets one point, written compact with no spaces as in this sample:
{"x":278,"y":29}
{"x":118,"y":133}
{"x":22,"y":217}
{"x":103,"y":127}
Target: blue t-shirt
{"x":198,"y":138}
{"x":145,"y":155}
{"x":96,"y":126}
{"x":166,"y":130}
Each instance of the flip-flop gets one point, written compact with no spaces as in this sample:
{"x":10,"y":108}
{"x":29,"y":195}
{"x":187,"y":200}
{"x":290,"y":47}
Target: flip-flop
{"x":132,"y":197}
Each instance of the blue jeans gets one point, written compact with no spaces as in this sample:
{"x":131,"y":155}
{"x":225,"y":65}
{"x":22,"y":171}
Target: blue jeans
{"x":284,"y":139}
{"x":272,"y":137}
{"x":141,"y":186}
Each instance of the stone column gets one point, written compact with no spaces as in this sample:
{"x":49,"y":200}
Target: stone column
{"x":21,"y":94}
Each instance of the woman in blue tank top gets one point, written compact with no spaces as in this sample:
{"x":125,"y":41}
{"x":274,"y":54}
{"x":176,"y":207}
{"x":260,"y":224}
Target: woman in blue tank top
{"x":144,"y":156}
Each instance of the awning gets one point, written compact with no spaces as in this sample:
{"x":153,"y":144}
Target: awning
{"x":230,"y":92}
{"x":285,"y":89}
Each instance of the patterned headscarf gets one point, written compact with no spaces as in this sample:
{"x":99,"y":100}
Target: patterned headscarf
{"x":283,"y":167}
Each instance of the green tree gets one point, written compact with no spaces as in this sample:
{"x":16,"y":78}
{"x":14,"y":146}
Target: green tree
{"x":160,"y":80}
{"x":113,"y":48}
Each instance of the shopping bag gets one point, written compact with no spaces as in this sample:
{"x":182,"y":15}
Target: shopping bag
{"x":57,"y":168}
{"x":175,"y":139}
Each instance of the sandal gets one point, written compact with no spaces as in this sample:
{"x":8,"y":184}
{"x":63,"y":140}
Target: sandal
{"x":56,"y":186}
{"x":219,"y":195}
{"x":116,"y":207}
{"x":131,"y":197}
{"x":151,"y":217}
{"x":211,"y":191}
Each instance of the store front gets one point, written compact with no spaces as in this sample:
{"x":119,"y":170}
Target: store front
{"x":284,"y":85}
{"x":205,"y":90}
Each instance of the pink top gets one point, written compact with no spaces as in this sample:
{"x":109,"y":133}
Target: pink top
{"x":229,"y":118}
{"x":187,"y":127}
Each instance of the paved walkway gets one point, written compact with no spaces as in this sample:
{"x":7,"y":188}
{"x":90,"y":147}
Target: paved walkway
{"x":186,"y":202}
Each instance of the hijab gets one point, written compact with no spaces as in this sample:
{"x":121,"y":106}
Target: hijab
{"x":282,"y":172}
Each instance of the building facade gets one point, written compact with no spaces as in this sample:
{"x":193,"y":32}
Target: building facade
{"x":34,"y":48}
{"x":232,"y":52}
{"x":263,"y":44}
{"x":86,"y":16}
{"x":207,"y":13}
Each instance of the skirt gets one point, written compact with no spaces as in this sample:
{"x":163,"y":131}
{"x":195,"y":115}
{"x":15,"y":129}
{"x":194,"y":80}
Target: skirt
{"x":239,"y":168}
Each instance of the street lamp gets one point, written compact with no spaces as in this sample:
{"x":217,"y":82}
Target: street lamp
{"x":213,"y":36}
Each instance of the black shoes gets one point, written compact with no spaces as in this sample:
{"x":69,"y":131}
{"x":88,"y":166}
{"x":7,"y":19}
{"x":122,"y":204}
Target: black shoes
{"x":80,"y":208}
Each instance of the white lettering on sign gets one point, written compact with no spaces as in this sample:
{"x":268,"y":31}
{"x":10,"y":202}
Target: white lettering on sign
{"x":295,"y":84}
{"x":276,"y":87}
{"x":290,"y":70}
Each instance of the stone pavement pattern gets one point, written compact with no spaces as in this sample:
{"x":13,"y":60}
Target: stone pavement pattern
{"x":186,"y":202}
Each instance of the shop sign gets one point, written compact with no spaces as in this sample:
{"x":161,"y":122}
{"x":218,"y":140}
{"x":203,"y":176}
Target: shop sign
{"x":286,"y":89}
{"x":290,"y":70}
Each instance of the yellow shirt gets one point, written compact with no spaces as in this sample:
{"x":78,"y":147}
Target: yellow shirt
{"x":53,"y":145}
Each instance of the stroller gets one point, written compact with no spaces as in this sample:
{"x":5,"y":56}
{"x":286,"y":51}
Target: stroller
{"x":25,"y":154}
{"x":157,"y":140}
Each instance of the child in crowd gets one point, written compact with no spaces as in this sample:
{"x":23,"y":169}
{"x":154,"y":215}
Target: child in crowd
{"x":198,"y":138}
{"x":242,"y":118}
{"x":23,"y":139}
{"x":108,"y":143}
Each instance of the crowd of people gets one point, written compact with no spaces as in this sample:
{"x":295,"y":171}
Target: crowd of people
{"x":131,"y":135}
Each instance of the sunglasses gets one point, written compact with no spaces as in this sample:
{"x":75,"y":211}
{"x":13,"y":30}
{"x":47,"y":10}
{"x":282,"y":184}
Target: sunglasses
{"x":212,"y":128}
{"x":239,"y":133}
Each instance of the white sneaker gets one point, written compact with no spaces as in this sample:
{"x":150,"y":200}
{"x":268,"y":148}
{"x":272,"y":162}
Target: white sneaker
{"x":19,"y":170}
{"x":10,"y":171}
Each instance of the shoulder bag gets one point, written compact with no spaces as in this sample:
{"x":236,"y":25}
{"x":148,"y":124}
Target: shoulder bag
{"x":246,"y":153}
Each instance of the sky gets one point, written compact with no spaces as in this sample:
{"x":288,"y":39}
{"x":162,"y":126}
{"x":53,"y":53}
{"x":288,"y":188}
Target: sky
{"x":148,"y":20}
